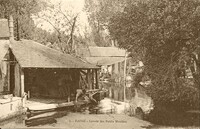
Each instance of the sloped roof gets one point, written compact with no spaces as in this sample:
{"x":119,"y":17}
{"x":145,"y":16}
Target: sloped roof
{"x":4,"y":29}
{"x":106,"y":52}
{"x":102,"y":55}
{"x":31,"y":54}
{"x":4,"y":45}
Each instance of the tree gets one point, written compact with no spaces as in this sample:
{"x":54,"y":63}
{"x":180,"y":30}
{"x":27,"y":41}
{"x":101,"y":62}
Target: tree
{"x":99,"y":12}
{"x":21,"y":10}
{"x":64,"y":24}
{"x":165,"y":36}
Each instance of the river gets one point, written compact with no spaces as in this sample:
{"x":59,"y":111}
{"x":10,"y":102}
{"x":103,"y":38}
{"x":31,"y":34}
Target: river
{"x":109,"y":113}
{"x":111,"y":105}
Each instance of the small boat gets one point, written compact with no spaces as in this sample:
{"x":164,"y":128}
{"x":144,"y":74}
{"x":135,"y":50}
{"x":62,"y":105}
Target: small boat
{"x":96,"y":95}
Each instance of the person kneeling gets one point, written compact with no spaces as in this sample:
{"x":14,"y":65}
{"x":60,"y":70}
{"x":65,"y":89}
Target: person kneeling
{"x":81,"y":95}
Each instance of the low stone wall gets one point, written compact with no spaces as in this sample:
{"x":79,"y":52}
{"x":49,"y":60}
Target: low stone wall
{"x":11,"y":107}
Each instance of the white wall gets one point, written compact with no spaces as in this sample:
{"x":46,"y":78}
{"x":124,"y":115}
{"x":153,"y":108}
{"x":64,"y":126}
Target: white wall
{"x":10,"y":108}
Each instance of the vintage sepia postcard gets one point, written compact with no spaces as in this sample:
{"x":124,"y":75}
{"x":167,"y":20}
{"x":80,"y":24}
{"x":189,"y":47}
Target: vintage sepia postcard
{"x":100,"y":64}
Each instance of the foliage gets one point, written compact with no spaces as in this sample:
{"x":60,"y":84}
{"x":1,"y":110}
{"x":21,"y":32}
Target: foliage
{"x":22,"y":11}
{"x":64,"y":23}
{"x":26,"y":12}
{"x":99,"y":12}
{"x":165,"y":36}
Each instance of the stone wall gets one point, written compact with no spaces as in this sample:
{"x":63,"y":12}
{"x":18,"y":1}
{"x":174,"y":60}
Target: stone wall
{"x":11,"y":107}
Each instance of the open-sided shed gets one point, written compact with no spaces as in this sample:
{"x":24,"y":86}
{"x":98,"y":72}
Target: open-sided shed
{"x":42,"y":71}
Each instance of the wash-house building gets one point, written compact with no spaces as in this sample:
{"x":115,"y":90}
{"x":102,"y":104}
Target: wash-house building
{"x":111,"y":59}
{"x":32,"y":68}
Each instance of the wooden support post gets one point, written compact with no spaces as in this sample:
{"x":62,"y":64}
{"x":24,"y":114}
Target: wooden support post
{"x":97,"y":79}
{"x":22,"y":83}
{"x":116,"y":68}
{"x":113,"y":68}
{"x":28,"y":95}
{"x":92,"y":79}
{"x":110,"y":92}
{"x":89,"y":79}
{"x":8,"y":72}
{"x":125,"y":61}
{"x":119,"y":70}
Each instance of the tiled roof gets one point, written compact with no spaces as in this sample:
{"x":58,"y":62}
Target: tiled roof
{"x":31,"y":54}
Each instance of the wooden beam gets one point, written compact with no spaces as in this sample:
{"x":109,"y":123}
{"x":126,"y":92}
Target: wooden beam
{"x":83,"y":72}
{"x":22,"y":82}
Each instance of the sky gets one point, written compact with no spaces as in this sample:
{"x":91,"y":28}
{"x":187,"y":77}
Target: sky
{"x":76,"y":7}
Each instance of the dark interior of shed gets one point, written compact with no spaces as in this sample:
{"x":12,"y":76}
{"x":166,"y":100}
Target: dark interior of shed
{"x":52,"y":83}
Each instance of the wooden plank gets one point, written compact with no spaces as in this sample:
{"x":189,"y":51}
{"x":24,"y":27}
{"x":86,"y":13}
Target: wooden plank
{"x":50,"y":106}
{"x":46,"y":114}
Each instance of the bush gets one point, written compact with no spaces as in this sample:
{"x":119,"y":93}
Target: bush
{"x":169,"y":116}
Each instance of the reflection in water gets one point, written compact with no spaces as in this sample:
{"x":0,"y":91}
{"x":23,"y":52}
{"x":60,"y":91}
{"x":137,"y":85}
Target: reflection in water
{"x":116,"y":90}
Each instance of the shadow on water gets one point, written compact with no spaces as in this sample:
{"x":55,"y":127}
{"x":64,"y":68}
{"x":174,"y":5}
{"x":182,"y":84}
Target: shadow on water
{"x":116,"y":90}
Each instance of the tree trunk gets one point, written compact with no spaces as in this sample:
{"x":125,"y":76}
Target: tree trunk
{"x":17,"y":20}
{"x":71,"y":42}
